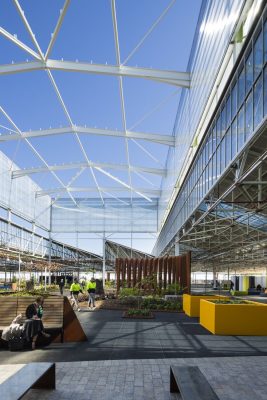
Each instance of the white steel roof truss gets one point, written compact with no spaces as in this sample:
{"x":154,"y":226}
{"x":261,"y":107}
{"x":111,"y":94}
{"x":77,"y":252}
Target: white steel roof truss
{"x":35,"y":151}
{"x":174,"y":78}
{"x":57,"y":28}
{"x":56,"y":89}
{"x":117,"y":47}
{"x":28,"y":171}
{"x":167,"y":140}
{"x":18,"y":43}
{"x":43,"y":62}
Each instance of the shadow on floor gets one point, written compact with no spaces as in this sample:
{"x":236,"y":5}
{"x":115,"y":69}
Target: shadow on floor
{"x":169,"y":335}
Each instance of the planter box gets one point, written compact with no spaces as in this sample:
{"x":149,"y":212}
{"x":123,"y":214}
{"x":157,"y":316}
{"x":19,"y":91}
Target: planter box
{"x":191,"y":304}
{"x":234,"y":319}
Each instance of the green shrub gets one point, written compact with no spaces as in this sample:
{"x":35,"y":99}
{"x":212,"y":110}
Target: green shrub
{"x":110,"y":284}
{"x":239,"y":293}
{"x":155,"y":303}
{"x":33,"y":293}
{"x":236,"y":301}
{"x":132,"y":301}
{"x":126,"y":292}
{"x":174,"y":288}
{"x":143,"y":312}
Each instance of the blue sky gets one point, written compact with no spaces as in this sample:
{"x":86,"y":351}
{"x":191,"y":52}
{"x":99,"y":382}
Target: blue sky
{"x":94,"y":100}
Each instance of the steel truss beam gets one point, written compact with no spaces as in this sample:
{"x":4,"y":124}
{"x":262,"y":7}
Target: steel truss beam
{"x":57,"y":28}
{"x":180,"y":79}
{"x":21,"y":45}
{"x":239,"y":233}
{"x":152,"y":192}
{"x":22,"y":172}
{"x":167,"y":140}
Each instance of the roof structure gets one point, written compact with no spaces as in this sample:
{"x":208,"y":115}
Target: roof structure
{"x":81,"y":127}
{"x":73,"y":130}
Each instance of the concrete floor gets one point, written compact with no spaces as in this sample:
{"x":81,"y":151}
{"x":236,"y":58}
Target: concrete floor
{"x":169,"y":335}
{"x":130,"y":359}
{"x":233,"y":378}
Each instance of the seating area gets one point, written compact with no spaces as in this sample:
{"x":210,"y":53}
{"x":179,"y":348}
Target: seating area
{"x":30,"y":376}
{"x":53,"y":312}
{"x":191,"y":384}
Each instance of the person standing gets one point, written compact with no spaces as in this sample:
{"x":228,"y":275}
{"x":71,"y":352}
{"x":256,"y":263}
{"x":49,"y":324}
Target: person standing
{"x":61,"y":286}
{"x":75,"y":289}
{"x":91,"y":288}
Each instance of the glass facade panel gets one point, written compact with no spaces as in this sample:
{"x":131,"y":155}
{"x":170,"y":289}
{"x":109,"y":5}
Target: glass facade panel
{"x":249,"y":116}
{"x":213,"y":168}
{"x":244,"y":101}
{"x":241,"y":87}
{"x":218,"y":161}
{"x":240,"y":128}
{"x":228,"y":111}
{"x":234,"y":100}
{"x":214,"y":139}
{"x":19,"y":195}
{"x":222,"y":147}
{"x":92,"y":216}
{"x":258,"y":102}
{"x":265,"y":90}
{"x":258,"y":55}
{"x":210,"y":145}
{"x":218,"y":130}
{"x":249,"y":72}
{"x":265,"y":41}
{"x":234,"y":138}
{"x":223,"y":121}
{"x":228,"y":147}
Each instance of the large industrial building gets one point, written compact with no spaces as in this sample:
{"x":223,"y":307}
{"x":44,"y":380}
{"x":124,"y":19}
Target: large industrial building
{"x":133,"y":199}
{"x":207,"y":194}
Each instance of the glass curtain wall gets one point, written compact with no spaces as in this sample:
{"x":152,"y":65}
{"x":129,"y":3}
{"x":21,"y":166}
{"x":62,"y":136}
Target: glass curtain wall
{"x":19,"y":195}
{"x":243,"y":108}
{"x":131,"y":215}
{"x":216,"y":23}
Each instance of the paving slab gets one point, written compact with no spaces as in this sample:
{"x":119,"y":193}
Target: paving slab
{"x":169,"y":335}
{"x":148,"y":379}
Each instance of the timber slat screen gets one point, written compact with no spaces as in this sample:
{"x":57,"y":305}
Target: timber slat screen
{"x":10,"y":307}
{"x":166,"y":271}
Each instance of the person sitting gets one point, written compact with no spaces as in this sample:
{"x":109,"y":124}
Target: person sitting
{"x":14,"y":330}
{"x":33,"y":325}
{"x":258,"y":288}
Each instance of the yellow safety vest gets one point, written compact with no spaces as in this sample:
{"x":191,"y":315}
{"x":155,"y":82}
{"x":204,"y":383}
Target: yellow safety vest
{"x":91,"y":285}
{"x":75,"y":287}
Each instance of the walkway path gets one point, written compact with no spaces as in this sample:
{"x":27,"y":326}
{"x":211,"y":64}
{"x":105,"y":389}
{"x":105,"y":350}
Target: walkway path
{"x":232,"y":378}
{"x":169,"y":335}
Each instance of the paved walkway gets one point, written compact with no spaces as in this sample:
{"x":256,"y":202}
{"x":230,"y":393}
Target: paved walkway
{"x":232,"y":379}
{"x":169,"y":335}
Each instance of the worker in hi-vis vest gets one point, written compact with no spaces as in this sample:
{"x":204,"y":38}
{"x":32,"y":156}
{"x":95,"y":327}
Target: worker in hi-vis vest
{"x":75,"y":289}
{"x":91,"y":288}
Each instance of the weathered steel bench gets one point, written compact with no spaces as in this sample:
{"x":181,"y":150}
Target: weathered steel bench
{"x":10,"y":307}
{"x":191,"y":384}
{"x":30,"y":376}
